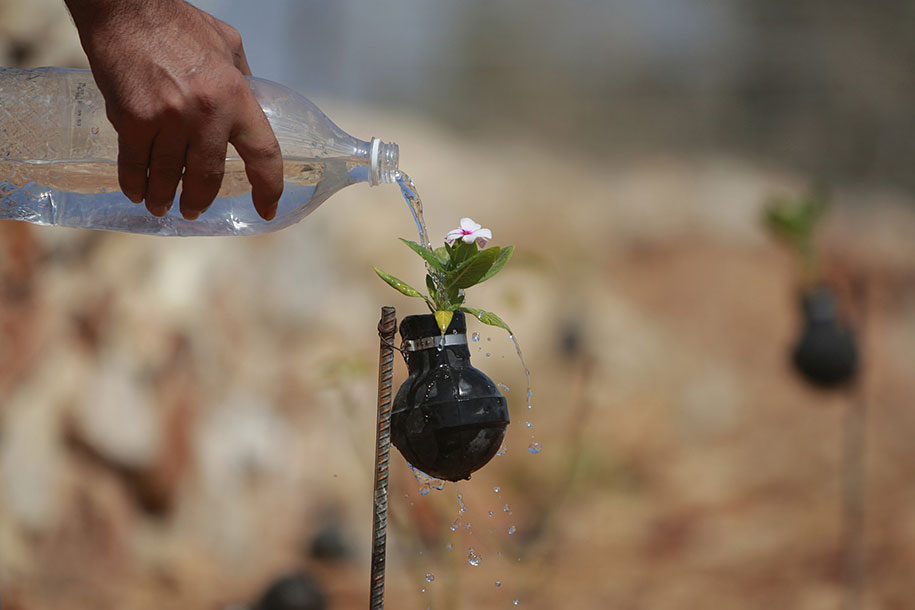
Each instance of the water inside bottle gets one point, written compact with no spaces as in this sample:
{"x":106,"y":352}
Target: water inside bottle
{"x":97,"y":176}
{"x":86,"y":194}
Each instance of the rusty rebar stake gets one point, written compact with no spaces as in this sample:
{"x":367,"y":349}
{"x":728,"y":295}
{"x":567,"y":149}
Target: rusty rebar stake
{"x":387,"y":327}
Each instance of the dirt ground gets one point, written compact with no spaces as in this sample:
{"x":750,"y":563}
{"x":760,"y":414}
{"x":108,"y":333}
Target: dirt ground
{"x":180,"y":419}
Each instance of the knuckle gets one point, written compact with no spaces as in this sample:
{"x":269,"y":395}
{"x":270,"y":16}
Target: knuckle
{"x":269,"y":150}
{"x":232,"y":38}
{"x":173,"y":106}
{"x":206,"y":100}
{"x":206,"y":178}
{"x":236,"y":85}
{"x":167,"y":172}
{"x":130,"y":164}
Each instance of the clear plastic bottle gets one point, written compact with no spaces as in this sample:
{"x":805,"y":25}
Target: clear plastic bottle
{"x":58,"y":160}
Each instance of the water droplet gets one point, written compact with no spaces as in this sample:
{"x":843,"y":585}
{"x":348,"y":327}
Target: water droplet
{"x":489,"y":338}
{"x":512,"y":530}
{"x":503,"y":387}
{"x":528,"y":424}
{"x":488,"y":354}
{"x":460,"y":499}
{"x":447,"y":547}
{"x":502,"y":449}
{"x":498,"y":584}
{"x":534,"y":447}
{"x":490,"y":513}
{"x":430,"y":577}
{"x":514,"y":602}
{"x":497,"y":489}
{"x":456,"y":524}
{"x":94,"y":131}
{"x":473,"y":559}
{"x":423,"y":589}
{"x":468,"y":526}
{"x":475,"y":337}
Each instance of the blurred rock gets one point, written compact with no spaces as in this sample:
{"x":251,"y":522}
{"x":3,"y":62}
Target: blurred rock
{"x":330,"y":543}
{"x":116,"y":416}
{"x":293,"y":592}
{"x":38,"y":33}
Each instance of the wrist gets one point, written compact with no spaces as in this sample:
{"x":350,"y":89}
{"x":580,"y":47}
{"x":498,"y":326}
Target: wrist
{"x":94,"y":16}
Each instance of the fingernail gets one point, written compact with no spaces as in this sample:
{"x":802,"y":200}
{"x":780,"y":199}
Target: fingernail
{"x":271,"y":213}
{"x":191,"y":215}
{"x":134,"y":197}
{"x":158,"y":210}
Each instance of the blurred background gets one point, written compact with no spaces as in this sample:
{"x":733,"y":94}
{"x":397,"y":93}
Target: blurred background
{"x":184,"y":421}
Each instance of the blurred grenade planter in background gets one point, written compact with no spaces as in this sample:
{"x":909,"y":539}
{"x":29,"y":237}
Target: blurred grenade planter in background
{"x":826,"y":353}
{"x":448,"y":418}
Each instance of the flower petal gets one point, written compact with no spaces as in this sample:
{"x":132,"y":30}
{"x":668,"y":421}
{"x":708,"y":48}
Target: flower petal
{"x":453,"y":235}
{"x":485,"y":234}
{"x":469,"y":238}
{"x":469,"y":225}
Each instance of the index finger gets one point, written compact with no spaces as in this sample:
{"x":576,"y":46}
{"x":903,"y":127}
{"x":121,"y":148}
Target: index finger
{"x":253,"y":138}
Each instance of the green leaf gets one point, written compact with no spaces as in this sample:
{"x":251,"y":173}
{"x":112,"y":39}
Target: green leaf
{"x":427,"y":254}
{"x":461,"y":252}
{"x":444,"y":256}
{"x":504,"y":255}
{"x":475,"y":268}
{"x":443,"y":319}
{"x":430,"y":285}
{"x":486,"y":317}
{"x":398,"y":285}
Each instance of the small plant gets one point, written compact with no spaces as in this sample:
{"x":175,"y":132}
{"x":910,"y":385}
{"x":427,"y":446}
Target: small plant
{"x":794,"y":220}
{"x":462,"y":262}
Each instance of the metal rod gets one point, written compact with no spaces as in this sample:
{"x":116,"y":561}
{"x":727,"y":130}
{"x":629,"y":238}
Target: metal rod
{"x":854,"y":451}
{"x":387,"y":327}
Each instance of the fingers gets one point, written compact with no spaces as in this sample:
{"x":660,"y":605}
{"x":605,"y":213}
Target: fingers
{"x":133,"y":159}
{"x":166,"y":165}
{"x":254,"y":140}
{"x":204,"y":169}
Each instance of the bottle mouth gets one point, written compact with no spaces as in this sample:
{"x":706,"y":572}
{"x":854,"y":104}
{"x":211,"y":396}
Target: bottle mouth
{"x":384,"y":159}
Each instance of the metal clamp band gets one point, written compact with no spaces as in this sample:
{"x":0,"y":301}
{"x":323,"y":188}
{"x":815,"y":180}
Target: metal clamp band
{"x":415,"y":345}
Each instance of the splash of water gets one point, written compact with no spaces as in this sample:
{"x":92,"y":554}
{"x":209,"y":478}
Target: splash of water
{"x":426,"y":483}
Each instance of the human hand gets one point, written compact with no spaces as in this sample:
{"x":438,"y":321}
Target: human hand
{"x":173,"y":79}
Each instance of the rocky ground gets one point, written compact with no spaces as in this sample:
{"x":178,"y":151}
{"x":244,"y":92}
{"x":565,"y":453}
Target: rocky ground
{"x":182,"y":419}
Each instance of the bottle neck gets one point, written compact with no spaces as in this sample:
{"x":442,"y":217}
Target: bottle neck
{"x":383,"y":160}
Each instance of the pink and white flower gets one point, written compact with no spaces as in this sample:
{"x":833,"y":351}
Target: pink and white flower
{"x":469,"y":231}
